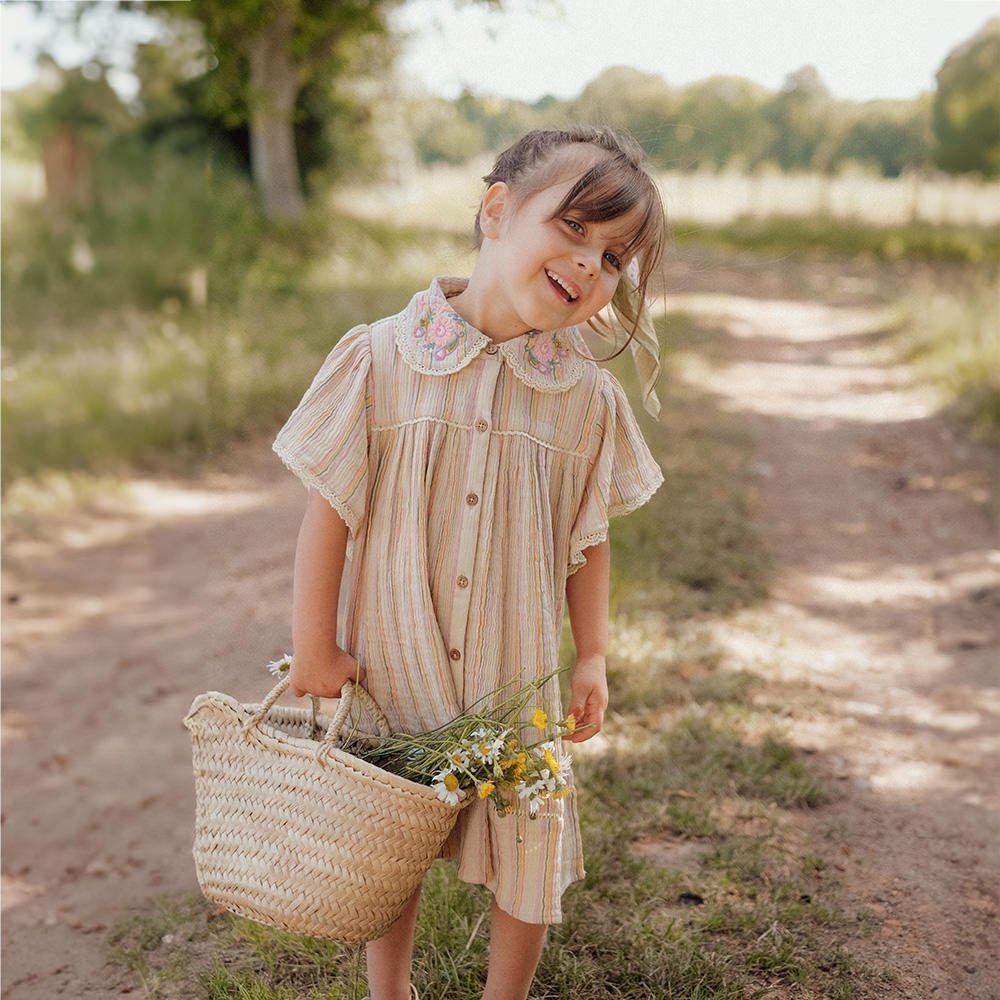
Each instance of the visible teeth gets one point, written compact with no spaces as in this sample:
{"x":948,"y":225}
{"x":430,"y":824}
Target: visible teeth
{"x":562,"y":284}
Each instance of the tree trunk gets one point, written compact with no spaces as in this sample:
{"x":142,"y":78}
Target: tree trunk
{"x":67,"y":173}
{"x":274,"y":84}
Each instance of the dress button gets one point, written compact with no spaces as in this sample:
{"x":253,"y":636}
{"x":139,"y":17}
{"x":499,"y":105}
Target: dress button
{"x":472,"y":499}
{"x":492,"y":348}
{"x":482,"y":425}
{"x":455,"y":654}
{"x":463,"y":581}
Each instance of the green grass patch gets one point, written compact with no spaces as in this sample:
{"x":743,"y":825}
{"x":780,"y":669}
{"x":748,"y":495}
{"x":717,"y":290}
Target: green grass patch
{"x":953,"y":336}
{"x":170,"y":318}
{"x":826,"y":235}
{"x":752,"y":914}
{"x":694,"y":547}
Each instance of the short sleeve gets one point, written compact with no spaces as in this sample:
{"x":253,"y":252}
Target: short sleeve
{"x":325,"y":441}
{"x":622,"y":477}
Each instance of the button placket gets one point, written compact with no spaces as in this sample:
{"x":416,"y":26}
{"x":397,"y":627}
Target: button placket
{"x":471,"y":513}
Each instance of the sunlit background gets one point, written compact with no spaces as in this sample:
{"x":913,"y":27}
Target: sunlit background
{"x":146,"y":189}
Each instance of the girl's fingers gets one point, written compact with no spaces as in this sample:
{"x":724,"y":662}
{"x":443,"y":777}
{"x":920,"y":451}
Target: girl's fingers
{"x":586,"y":724}
{"x":323,"y":685}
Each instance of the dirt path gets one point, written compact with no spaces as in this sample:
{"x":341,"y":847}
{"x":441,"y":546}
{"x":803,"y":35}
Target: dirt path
{"x":886,"y":602}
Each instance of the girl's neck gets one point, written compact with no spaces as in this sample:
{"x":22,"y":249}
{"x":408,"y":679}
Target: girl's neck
{"x":476,"y":304}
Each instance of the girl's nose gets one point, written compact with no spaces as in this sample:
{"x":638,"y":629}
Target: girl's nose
{"x":589,"y":262}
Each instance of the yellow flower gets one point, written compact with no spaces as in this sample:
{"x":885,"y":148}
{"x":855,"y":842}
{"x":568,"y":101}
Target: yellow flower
{"x":562,"y":793}
{"x":519,"y":761}
{"x":552,"y":762}
{"x":539,"y":719}
{"x":486,"y":789}
{"x":451,"y":782}
{"x":570,"y":723}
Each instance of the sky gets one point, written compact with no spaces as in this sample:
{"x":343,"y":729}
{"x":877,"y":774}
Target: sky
{"x":863,"y":49}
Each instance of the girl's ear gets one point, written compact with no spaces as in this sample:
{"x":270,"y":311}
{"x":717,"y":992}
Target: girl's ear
{"x":493,"y":210}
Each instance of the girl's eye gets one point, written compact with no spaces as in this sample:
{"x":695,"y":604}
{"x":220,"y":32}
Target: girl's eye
{"x":614,"y":260}
{"x":574,"y":225}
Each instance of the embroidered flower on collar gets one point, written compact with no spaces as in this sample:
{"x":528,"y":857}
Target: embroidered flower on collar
{"x":435,"y":340}
{"x":545,"y":353}
{"x":439,"y":331}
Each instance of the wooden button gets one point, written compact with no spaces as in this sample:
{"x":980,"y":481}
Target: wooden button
{"x":472,"y":499}
{"x":455,"y":654}
{"x":482,"y":425}
{"x":492,"y":348}
{"x":463,"y":581}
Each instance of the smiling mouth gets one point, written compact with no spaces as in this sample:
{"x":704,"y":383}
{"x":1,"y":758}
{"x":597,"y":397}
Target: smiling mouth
{"x":561,"y":286}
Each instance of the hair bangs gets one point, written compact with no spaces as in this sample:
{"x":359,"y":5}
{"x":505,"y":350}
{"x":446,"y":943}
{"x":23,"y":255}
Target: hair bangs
{"x":614,"y":188}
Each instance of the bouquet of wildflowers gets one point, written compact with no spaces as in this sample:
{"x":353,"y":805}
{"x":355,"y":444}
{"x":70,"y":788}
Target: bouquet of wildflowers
{"x":486,"y":753}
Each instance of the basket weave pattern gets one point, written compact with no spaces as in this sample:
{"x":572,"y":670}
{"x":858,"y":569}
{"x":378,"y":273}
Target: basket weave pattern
{"x":294,"y":832}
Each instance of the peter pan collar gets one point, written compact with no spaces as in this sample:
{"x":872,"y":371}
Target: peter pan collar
{"x":434,"y":340}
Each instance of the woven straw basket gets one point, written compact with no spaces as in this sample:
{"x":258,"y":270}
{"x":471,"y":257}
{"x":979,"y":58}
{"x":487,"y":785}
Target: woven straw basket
{"x":293,"y":832}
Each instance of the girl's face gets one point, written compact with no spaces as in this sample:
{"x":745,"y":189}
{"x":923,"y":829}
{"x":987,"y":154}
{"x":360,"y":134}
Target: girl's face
{"x":550,"y":272}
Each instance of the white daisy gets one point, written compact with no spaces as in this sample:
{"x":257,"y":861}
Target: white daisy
{"x":446,"y":786}
{"x":281,"y":666}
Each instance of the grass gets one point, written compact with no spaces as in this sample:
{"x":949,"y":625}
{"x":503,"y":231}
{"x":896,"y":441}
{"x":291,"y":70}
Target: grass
{"x":953,"y":335}
{"x":698,"y":883}
{"x":754,"y":913}
{"x":695,"y":547}
{"x":168,"y":318}
{"x":825,"y":235}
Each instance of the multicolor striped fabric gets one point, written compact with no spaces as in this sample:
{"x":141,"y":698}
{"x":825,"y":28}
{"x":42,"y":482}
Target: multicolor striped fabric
{"x":472,"y":477}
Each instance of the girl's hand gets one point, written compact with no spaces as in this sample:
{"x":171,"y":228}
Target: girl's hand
{"x":588,"y":699}
{"x":323,"y":677}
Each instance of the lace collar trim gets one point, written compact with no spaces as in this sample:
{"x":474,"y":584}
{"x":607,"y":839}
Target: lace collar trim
{"x":434,"y":340}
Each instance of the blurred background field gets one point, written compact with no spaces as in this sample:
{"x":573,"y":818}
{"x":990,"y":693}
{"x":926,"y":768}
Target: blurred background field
{"x":163,"y":293}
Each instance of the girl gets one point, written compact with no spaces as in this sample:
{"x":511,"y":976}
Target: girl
{"x":463,"y":458}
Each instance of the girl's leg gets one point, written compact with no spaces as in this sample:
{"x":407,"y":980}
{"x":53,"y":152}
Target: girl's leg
{"x":515,"y":948}
{"x":391,"y":956}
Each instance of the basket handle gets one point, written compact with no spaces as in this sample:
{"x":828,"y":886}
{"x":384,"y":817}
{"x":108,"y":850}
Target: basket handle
{"x":348,"y":693}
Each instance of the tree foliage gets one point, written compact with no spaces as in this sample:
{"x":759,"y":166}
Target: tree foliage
{"x":299,"y":90}
{"x":967,"y":105}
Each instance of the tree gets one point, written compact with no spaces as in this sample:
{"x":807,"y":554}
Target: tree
{"x":887,"y":135}
{"x":71,"y":117}
{"x":624,"y":97}
{"x":967,"y":105}
{"x":799,"y":115}
{"x":722,"y":120}
{"x":267,"y":53}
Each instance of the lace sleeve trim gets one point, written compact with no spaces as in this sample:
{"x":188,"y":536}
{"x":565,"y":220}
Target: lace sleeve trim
{"x":310,"y":478}
{"x":639,"y":499}
{"x":576,"y":556}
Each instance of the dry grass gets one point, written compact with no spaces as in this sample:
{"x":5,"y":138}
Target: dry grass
{"x":446,"y":196}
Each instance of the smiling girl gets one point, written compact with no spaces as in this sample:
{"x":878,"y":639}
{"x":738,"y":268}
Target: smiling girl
{"x":463,"y":458}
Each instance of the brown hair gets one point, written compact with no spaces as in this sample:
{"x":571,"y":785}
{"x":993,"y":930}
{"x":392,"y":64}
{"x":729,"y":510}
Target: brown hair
{"x":611,"y":187}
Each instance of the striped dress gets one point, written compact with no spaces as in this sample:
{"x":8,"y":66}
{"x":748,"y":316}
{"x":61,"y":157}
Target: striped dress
{"x":471,"y":476}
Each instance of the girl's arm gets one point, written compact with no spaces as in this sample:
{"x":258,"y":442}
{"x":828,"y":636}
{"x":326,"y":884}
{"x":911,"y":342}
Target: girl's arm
{"x":319,"y":666}
{"x":587,"y":600}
